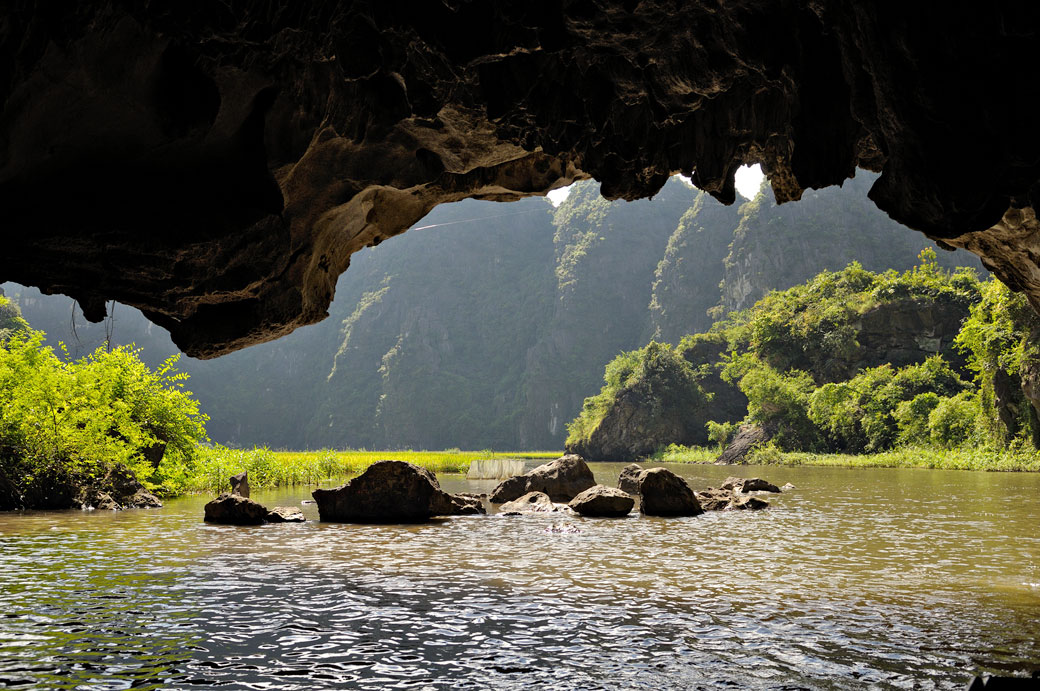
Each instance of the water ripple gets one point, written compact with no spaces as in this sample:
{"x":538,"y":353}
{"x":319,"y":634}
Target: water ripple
{"x":872,"y":579}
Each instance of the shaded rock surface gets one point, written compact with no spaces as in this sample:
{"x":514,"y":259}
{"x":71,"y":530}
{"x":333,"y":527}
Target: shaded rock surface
{"x":663,"y":493}
{"x":603,"y":501}
{"x":264,"y":148}
{"x":628,"y":480}
{"x":532,"y":502}
{"x":390,"y":492}
{"x":747,"y":438}
{"x":234,"y":509}
{"x":240,"y":484}
{"x":56,"y":489}
{"x":561,"y":479}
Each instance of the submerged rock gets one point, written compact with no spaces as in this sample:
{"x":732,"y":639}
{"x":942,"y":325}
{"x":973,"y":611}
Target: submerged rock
{"x":628,"y":481}
{"x":751,"y":484}
{"x":713,"y":499}
{"x":663,"y":493}
{"x":723,"y":498}
{"x":749,"y":504}
{"x":391,"y":492}
{"x":233,"y":509}
{"x":603,"y":501}
{"x":532,"y":502}
{"x":561,"y":479}
{"x":285,"y":514}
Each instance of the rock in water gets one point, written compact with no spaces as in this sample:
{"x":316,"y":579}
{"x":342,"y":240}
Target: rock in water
{"x":562,"y":479}
{"x":285,"y":514}
{"x":713,"y":499}
{"x":532,"y":502}
{"x":749,"y":504}
{"x":240,"y":484}
{"x":663,"y":493}
{"x":628,"y":481}
{"x":751,"y":484}
{"x":232,"y":509}
{"x":390,"y":492}
{"x":602,"y":501}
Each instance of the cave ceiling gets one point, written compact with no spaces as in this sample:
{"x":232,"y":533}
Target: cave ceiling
{"x":216,"y":164}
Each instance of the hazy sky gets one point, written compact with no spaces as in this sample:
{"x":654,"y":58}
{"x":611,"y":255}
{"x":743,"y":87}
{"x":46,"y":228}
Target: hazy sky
{"x":748,"y":180}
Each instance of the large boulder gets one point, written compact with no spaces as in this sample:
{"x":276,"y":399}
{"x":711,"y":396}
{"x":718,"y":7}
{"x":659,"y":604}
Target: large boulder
{"x":628,"y":481}
{"x":562,"y":479}
{"x":532,"y":502}
{"x":390,"y":492}
{"x":663,"y":493}
{"x":234,"y":509}
{"x":603,"y":501}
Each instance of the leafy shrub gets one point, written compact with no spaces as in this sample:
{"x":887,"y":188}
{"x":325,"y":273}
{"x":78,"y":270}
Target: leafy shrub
{"x":952,"y":422}
{"x":912,"y":418}
{"x":83,"y":417}
{"x":721,"y":433}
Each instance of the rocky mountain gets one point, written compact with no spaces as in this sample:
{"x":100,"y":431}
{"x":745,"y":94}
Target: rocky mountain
{"x":488,"y":324}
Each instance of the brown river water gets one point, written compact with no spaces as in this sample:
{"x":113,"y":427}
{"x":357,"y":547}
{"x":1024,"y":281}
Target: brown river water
{"x":881,"y":578}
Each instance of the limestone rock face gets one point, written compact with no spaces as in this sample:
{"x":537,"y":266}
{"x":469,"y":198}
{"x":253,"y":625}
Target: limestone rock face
{"x":562,"y":479}
{"x":217,"y":169}
{"x":747,"y":438}
{"x":663,"y":493}
{"x":603,"y":501}
{"x":389,"y":492}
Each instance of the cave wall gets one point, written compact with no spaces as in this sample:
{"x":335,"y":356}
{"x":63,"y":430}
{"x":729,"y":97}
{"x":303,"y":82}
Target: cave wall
{"x":216,"y":164}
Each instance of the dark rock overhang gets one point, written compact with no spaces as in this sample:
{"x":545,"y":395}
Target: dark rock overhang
{"x":216,"y":164}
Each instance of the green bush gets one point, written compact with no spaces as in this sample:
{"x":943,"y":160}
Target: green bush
{"x":952,"y":423}
{"x":912,"y":418}
{"x":82,"y":417}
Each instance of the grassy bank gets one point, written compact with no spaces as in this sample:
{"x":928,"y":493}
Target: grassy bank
{"x":268,"y":468}
{"x":1010,"y":460}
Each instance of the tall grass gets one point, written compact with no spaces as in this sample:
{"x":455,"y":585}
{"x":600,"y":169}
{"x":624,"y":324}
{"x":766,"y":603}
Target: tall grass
{"x":268,"y":468}
{"x":1007,"y":460}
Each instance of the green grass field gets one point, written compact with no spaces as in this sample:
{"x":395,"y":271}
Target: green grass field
{"x":1012,"y":460}
{"x":268,"y":468}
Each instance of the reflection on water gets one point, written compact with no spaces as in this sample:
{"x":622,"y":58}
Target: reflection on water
{"x":858,"y":578}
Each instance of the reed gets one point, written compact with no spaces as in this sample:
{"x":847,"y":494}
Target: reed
{"x":269,"y":468}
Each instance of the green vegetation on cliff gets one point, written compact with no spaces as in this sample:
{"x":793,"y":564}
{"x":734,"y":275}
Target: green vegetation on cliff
{"x":488,"y":326}
{"x":953,"y":368}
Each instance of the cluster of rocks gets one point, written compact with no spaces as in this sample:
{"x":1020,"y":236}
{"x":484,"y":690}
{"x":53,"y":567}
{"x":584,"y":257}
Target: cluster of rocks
{"x":236,"y":508}
{"x":56,"y":489}
{"x":400,"y":492}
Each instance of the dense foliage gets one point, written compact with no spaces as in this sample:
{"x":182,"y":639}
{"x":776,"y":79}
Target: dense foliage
{"x":64,"y":418}
{"x":818,"y":378}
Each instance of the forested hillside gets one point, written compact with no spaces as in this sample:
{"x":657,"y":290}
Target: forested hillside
{"x":489,"y":324}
